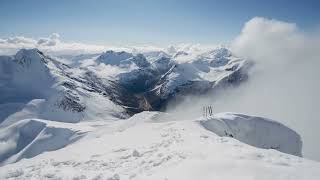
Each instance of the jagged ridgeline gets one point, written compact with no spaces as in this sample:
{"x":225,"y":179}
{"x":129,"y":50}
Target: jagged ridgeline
{"x":116,"y":84}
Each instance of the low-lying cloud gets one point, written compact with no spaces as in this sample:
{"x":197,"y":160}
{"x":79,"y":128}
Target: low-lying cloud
{"x":52,"y":45}
{"x":283,"y":83}
{"x":53,"y":39}
{"x":55,"y":45}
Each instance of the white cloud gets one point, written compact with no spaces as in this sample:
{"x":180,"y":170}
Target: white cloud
{"x":53,"y":40}
{"x":52,"y":45}
{"x":10,"y":45}
{"x":19,"y":40}
{"x":283,"y":84}
{"x":262,"y":38}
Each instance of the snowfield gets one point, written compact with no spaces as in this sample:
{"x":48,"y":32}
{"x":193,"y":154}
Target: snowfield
{"x":150,"y":145}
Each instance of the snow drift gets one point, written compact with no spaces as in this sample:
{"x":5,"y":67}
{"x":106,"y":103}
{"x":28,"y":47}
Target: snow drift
{"x":256,"y":131}
{"x":30,"y":137}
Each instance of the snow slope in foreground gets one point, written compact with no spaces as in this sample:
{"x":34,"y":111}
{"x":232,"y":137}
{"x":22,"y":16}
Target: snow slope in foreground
{"x":151,"y":146}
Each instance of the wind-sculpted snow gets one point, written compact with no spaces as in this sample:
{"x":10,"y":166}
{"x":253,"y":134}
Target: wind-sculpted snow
{"x":30,"y":137}
{"x":256,"y":131}
{"x":153,"y":145}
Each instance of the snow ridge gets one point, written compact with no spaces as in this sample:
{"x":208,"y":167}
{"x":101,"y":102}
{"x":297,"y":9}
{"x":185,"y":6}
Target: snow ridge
{"x":256,"y":131}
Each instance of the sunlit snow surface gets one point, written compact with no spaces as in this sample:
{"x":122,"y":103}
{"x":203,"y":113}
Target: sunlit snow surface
{"x":153,"y":146}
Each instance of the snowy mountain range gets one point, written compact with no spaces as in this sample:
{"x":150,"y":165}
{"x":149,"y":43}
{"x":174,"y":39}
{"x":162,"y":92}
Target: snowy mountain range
{"x":102,"y":116}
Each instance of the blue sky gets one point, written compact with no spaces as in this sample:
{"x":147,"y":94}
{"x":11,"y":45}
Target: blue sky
{"x":159,"y":22}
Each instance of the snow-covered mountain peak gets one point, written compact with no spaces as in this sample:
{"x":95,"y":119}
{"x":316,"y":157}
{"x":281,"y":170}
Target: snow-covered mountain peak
{"x":163,"y":60}
{"x":215,"y":58}
{"x":139,"y":60}
{"x":219,"y":52}
{"x":114,"y":58}
{"x":180,"y":53}
{"x":26,"y":57}
{"x":163,"y":64}
{"x":154,"y":55}
{"x":123,"y":59}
